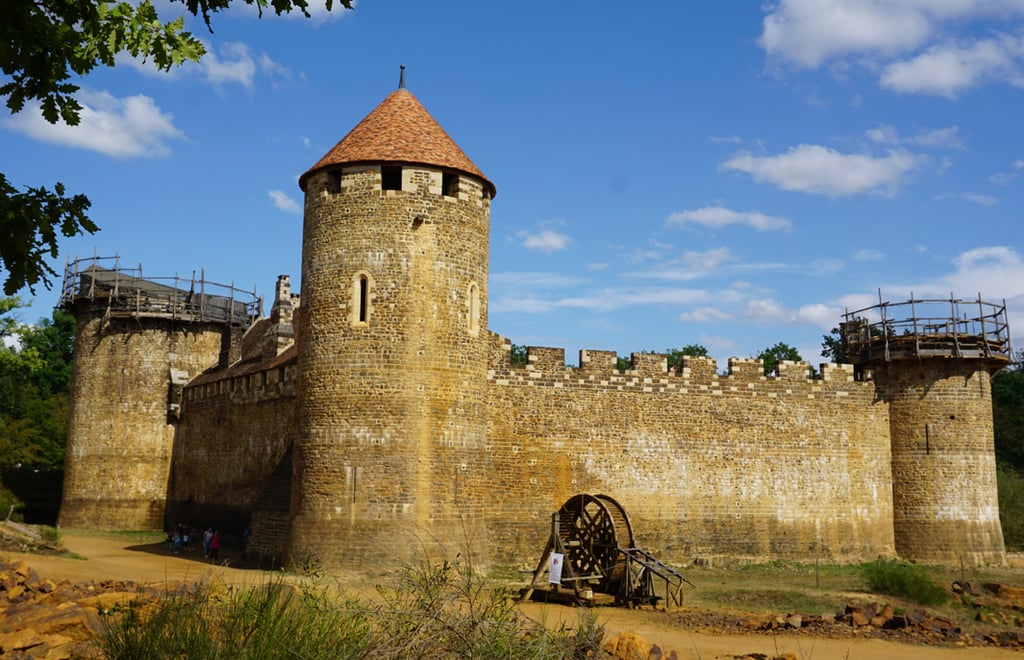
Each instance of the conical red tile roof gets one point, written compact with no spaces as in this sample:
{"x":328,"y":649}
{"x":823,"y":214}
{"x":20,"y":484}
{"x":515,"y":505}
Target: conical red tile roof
{"x":399,"y":130}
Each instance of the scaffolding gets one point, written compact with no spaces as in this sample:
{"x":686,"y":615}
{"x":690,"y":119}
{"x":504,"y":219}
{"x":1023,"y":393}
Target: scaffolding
{"x":127,"y":294}
{"x":927,"y":328}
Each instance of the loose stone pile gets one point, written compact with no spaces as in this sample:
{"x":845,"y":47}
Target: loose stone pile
{"x":867,"y":619}
{"x":58,"y":620}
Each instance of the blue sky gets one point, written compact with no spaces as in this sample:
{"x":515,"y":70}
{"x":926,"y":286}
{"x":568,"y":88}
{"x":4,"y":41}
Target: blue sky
{"x":732,"y":174}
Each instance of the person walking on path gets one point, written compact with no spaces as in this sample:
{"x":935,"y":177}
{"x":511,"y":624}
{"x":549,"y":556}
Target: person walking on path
{"x":214,"y":545}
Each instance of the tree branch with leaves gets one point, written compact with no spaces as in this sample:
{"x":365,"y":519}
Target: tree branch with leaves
{"x":44,"y":46}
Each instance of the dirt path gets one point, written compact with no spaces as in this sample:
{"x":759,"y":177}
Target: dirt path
{"x":655,"y":628}
{"x":107,"y":558}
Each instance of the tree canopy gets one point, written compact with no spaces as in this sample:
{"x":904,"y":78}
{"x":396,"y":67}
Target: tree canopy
{"x":35,"y":376}
{"x":675,"y":356}
{"x":777,"y":353}
{"x":1008,"y":413}
{"x":43,"y":45}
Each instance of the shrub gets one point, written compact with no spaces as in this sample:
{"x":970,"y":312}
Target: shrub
{"x":1011,"y":505}
{"x":9,"y":505}
{"x":447,"y":610}
{"x":904,"y":580}
{"x":50,"y":534}
{"x":443,"y":611}
{"x":271,"y":621}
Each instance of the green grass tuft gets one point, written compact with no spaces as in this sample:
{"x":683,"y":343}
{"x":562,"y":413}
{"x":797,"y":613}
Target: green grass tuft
{"x":51,"y":535}
{"x":431,"y":611}
{"x":905,"y":581}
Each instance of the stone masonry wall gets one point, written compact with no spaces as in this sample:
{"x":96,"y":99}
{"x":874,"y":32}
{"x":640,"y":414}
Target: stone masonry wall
{"x":945,"y":499}
{"x":390,"y":393}
{"x":705,"y":465}
{"x":120,"y":432}
{"x":234,"y":433}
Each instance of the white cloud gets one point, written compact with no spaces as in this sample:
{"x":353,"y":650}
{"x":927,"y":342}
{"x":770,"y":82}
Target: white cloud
{"x":127,"y":127}
{"x":234,"y":65}
{"x":818,"y":315}
{"x":947,"y":70}
{"x":770,"y":310}
{"x":603,"y":300}
{"x":707,"y":260}
{"x":819,"y":267}
{"x":1002,"y":178}
{"x":980,"y":200}
{"x":974,"y":198}
{"x":546,"y":241}
{"x":641,"y":254}
{"x":948,"y":138}
{"x":819,"y":170}
{"x":868,"y":254}
{"x":808,"y":32}
{"x":764,"y":309}
{"x":883,"y":135}
{"x":939,"y":138}
{"x":690,"y":266}
{"x":519,"y":305}
{"x":704,"y":315}
{"x":717,"y":217}
{"x":996,"y":272}
{"x":856,"y":301}
{"x":283,"y":202}
{"x":521,"y":280}
{"x":920,"y":46}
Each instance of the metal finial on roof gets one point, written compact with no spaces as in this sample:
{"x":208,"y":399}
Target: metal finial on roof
{"x":401,"y":78}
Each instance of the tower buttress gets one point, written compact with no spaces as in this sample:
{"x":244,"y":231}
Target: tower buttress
{"x":137,"y":342}
{"x":392,"y":358}
{"x":932,"y":361}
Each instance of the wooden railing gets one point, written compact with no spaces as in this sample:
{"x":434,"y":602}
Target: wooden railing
{"x":925,"y":328}
{"x":127,"y":293}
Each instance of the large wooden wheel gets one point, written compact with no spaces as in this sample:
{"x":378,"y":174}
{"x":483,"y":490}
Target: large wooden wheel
{"x":594,"y":537}
{"x":592,"y":529}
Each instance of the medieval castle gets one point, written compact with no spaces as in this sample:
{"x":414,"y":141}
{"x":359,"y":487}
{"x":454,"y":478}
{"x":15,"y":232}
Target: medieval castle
{"x":380,"y":417}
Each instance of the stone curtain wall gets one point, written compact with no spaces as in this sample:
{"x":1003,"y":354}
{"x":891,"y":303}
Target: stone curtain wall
{"x":943,"y":460}
{"x":119,"y":432}
{"x":234,"y":433}
{"x":388,"y":465}
{"x":705,"y":465}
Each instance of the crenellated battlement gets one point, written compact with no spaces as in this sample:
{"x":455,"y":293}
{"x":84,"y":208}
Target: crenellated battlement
{"x":649,"y":372}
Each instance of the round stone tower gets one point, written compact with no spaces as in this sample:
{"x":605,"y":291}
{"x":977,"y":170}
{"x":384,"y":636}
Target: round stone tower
{"x":932,"y":361}
{"x":391,"y":357}
{"x":137,"y":342}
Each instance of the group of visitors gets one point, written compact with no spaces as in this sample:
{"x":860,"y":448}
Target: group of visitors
{"x":185,"y":539}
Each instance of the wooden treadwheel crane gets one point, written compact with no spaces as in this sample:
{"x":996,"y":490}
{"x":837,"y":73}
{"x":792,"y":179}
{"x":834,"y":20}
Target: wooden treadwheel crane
{"x":591,"y":558}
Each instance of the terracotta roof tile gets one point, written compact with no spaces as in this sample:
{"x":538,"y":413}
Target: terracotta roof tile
{"x":399,"y":130}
